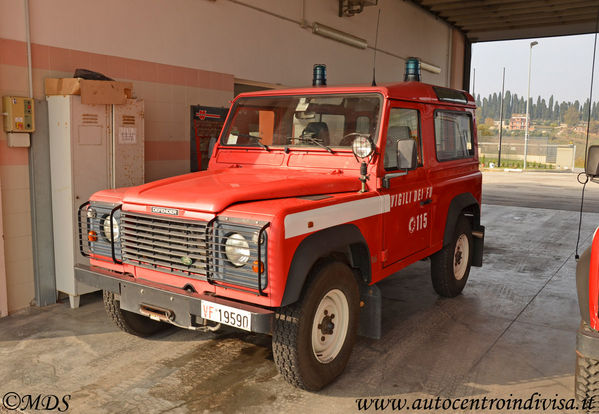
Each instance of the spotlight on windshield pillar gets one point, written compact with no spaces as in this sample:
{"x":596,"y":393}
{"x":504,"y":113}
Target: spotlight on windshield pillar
{"x":412,"y":70}
{"x":319,"y":77}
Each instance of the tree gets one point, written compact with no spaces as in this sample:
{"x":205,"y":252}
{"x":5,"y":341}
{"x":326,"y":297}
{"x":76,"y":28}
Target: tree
{"x":479,"y":112}
{"x":507,"y":109}
{"x":572,"y":116}
{"x":585,"y":111}
{"x":484,"y":131}
{"x":490,"y":122}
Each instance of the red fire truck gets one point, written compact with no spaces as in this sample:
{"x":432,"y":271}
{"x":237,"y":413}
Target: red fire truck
{"x":587,"y":287}
{"x":311,"y":197}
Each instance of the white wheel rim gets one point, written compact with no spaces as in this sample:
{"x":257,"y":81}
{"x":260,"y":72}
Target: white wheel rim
{"x":460,"y":257}
{"x":330,"y":325}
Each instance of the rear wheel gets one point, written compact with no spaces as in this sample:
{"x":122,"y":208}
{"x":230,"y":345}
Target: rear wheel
{"x":450,"y":267}
{"x":128,"y":321}
{"x":313,"y":338}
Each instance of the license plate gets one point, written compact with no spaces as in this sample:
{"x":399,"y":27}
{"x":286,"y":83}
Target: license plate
{"x":227,"y":315}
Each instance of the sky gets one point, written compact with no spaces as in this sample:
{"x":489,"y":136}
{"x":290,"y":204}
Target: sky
{"x":561,"y":66}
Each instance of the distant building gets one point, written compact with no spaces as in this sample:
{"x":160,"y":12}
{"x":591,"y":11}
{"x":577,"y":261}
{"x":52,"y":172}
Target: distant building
{"x":518,"y":123}
{"x":580,"y":128}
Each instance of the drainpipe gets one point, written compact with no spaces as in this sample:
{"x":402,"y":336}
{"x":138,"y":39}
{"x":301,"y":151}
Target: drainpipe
{"x":28,"y":38}
{"x":449,"y":57}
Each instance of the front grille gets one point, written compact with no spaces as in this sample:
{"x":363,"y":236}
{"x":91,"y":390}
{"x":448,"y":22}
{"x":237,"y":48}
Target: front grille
{"x":194,"y":249}
{"x":170,"y":245}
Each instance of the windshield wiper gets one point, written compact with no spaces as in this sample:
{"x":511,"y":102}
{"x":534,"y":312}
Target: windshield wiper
{"x":256,"y":138}
{"x":312,"y":140}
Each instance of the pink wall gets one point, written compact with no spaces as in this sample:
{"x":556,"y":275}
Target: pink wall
{"x":167,"y":90}
{"x":170,"y":144}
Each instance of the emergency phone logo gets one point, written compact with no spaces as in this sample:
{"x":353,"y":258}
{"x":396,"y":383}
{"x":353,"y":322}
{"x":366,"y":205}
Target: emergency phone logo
{"x":417,"y":223}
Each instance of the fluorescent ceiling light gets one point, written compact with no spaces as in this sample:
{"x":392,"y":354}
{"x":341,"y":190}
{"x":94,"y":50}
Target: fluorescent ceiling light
{"x":339,"y":36}
{"x":430,"y":68}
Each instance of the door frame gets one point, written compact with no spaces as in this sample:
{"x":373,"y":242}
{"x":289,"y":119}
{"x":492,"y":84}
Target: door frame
{"x":3,"y":288}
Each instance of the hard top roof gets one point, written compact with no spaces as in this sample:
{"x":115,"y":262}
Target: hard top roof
{"x":407,"y":91}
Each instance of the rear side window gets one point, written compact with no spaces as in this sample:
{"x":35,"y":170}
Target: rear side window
{"x":453,"y":135}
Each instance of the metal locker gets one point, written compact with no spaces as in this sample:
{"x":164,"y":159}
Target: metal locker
{"x":128,"y":143}
{"x":79,"y":166}
{"x":92,"y":148}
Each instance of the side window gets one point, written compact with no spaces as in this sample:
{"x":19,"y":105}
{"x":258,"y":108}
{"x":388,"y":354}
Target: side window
{"x":403,"y":124}
{"x":453,"y":135}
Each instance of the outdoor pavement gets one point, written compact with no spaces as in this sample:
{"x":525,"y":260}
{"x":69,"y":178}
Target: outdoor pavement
{"x":511,"y":333}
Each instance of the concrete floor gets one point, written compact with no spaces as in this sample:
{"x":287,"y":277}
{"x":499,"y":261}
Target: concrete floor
{"x":512,"y":331}
{"x":552,"y":190}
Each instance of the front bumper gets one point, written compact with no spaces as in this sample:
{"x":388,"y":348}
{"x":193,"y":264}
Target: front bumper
{"x":183,"y":308}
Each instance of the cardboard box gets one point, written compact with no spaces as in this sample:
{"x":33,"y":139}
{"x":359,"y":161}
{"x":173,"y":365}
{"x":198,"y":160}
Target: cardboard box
{"x":91,"y":91}
{"x":63,"y":86}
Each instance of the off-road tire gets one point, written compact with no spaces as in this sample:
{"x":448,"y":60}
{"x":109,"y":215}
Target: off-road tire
{"x":130,"y":322}
{"x":443,"y":274}
{"x":293,"y":328}
{"x":586,"y":382}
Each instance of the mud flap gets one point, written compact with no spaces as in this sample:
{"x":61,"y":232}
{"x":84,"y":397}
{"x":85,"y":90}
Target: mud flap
{"x":478,"y":238}
{"x":370,"y":312}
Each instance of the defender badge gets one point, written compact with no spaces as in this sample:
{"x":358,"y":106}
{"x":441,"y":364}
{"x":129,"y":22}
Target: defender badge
{"x":187,"y":261}
{"x":164,"y":210}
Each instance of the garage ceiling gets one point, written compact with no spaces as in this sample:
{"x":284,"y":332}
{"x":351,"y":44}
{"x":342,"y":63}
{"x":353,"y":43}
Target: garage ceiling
{"x":487,"y":20}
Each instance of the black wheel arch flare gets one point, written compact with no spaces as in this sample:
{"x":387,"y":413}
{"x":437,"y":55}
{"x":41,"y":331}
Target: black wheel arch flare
{"x":460,"y":203}
{"x":345,"y":238}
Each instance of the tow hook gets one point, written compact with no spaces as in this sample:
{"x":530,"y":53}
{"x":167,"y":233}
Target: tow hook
{"x":156,"y":313}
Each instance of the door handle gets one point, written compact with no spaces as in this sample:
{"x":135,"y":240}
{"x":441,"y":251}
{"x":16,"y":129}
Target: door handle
{"x":427,"y":201}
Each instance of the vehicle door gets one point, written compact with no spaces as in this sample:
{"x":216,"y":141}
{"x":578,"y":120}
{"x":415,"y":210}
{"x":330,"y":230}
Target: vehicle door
{"x":406,"y":227}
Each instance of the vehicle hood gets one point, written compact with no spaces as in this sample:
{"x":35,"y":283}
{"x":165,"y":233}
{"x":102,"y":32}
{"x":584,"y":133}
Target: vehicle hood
{"x":213,"y":191}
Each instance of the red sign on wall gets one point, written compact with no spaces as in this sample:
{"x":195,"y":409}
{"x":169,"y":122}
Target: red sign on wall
{"x":206,"y":123}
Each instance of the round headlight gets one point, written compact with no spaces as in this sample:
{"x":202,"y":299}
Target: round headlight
{"x":116,"y":229}
{"x":362,"y":147}
{"x":237,"y":249}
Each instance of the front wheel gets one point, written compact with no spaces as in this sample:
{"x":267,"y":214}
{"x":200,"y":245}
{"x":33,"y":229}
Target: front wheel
{"x":450,"y":267}
{"x":313,"y":338}
{"x":586,"y":379}
{"x":586,"y":376}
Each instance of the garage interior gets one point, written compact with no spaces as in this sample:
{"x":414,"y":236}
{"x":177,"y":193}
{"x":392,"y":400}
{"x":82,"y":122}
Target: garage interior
{"x":189,"y":60}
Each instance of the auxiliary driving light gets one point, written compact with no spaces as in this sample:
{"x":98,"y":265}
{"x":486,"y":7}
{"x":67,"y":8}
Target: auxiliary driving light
{"x":362,"y":147}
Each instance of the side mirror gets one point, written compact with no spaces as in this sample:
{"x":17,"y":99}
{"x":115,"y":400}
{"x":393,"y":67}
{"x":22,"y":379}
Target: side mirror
{"x":592,"y":167}
{"x":407,"y":156}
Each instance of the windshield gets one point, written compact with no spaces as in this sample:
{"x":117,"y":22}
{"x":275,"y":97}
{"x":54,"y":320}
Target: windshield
{"x":320,"y":121}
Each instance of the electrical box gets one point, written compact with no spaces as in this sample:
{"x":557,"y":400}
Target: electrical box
{"x":19,"y":114}
{"x":18,"y":139}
